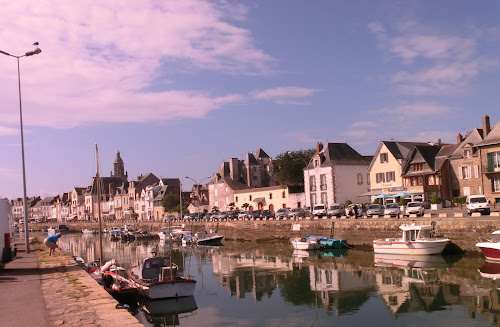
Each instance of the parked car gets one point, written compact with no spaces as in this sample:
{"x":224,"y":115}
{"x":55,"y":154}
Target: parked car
{"x":336,"y":210}
{"x":234,"y":214}
{"x":254,"y":214}
{"x":243,"y":215}
{"x":319,"y":210}
{"x":359,"y":209}
{"x":281,"y":213}
{"x":477,"y":203}
{"x":296,"y":212}
{"x":391,"y":209}
{"x":222,"y":215}
{"x":415,"y":208}
{"x":374,"y":209}
{"x":169,"y":217}
{"x":267,"y":214}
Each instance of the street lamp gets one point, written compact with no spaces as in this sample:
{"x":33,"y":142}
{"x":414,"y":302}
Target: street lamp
{"x":199,"y":197}
{"x":27,"y":54}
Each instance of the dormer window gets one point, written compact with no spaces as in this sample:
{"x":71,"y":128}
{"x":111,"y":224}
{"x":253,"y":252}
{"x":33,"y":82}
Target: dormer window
{"x":467,"y":153}
{"x":316,"y":163}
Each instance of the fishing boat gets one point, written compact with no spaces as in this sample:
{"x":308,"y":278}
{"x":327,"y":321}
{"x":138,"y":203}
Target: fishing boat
{"x":173,"y":233}
{"x":118,"y":286}
{"x":410,"y":261}
{"x":87,"y":231}
{"x":491,"y":248}
{"x":188,"y":239}
{"x":416,"y":239}
{"x":490,"y":269}
{"x":157,"y":278}
{"x":304,"y":243}
{"x":329,"y":243}
{"x":208,"y":238}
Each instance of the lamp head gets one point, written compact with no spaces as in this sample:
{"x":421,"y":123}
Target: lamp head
{"x":34,"y":52}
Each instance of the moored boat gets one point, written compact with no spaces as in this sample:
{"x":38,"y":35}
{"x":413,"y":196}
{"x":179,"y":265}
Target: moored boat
{"x":416,"y":239}
{"x":491,"y":248}
{"x":204,"y":238}
{"x":157,"y":278}
{"x":305,"y":243}
{"x":329,"y":243}
{"x":121,"y":288}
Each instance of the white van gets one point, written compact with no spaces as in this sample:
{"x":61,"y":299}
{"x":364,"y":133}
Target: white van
{"x":477,"y":203}
{"x":319,"y":210}
{"x":7,"y":244}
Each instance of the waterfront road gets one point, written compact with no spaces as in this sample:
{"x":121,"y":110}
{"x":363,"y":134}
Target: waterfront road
{"x":41,"y":290}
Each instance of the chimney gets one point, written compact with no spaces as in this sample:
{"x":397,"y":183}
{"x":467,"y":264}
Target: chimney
{"x":319,"y":147}
{"x":486,"y":126}
{"x":459,"y":138}
{"x":234,"y":172}
{"x":438,"y":142}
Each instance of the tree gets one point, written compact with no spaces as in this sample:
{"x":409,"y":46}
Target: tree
{"x":215,"y":209}
{"x":231,"y":206}
{"x":460,"y":200}
{"x":170,"y":202}
{"x":245,"y":206}
{"x":288,"y":168}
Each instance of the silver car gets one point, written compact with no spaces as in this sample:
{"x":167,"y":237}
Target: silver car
{"x":296,"y":212}
{"x":281,"y":213}
{"x":336,"y":210}
{"x":391,"y":209}
{"x":374,"y":210}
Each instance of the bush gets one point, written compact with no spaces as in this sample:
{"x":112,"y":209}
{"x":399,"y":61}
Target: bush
{"x":375,"y":201}
{"x":347,"y":203}
{"x":435,"y":199}
{"x":402,"y":202}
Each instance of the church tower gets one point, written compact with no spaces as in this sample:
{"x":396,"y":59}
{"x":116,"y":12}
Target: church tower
{"x":119,"y":168}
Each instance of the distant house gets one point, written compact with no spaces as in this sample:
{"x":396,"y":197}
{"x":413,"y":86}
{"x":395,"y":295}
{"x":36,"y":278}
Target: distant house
{"x":386,"y":168}
{"x":78,"y":203}
{"x":255,"y":171}
{"x":489,"y":150}
{"x":135,"y":189}
{"x":335,"y":174}
{"x":420,"y":176}
{"x":272,"y":198}
{"x":18,"y":207}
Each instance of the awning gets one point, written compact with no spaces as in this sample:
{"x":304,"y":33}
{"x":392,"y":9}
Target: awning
{"x":257,"y":200}
{"x":371,"y":193}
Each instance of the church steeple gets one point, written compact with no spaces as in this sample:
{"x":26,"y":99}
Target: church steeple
{"x":119,"y":167}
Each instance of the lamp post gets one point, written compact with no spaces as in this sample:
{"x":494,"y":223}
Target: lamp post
{"x":199,"y":198}
{"x":25,"y":205}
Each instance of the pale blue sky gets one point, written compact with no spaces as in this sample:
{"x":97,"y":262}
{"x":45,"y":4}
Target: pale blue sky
{"x":180,"y":86}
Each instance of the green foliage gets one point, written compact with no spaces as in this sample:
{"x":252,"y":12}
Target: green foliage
{"x":231,"y":206}
{"x":245,"y":206}
{"x":288,"y":168}
{"x":170,"y":202}
{"x":435,"y":199}
{"x":215,"y":209}
{"x":347,"y":203}
{"x":402,"y":202}
{"x":459,"y":199}
{"x":375,"y":201}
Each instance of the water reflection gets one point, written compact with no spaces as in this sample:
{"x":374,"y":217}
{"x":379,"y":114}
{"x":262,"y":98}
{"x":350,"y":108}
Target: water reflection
{"x":324,"y":288}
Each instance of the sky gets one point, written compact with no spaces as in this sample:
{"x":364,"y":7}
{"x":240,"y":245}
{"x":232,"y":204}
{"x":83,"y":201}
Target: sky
{"x":178,"y":87}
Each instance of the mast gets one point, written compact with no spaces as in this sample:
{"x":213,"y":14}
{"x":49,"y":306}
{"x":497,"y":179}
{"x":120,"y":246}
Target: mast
{"x":98,"y":182}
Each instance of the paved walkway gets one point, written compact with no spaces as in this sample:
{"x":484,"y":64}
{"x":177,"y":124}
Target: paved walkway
{"x":42,"y":290}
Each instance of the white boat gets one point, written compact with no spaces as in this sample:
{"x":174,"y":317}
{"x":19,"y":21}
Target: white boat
{"x":416,"y":239}
{"x":89,"y":231}
{"x":157,"y":278}
{"x":411,"y":261}
{"x":305,"y":243}
{"x":491,"y":248}
{"x":173,"y":233}
{"x":204,"y":238}
{"x":188,"y":239}
{"x":114,"y":232}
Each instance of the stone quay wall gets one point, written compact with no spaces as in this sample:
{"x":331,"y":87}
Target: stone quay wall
{"x":464,"y":232}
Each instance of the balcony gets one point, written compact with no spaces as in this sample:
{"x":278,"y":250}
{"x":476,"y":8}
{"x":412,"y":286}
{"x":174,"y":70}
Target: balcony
{"x":491,"y":170}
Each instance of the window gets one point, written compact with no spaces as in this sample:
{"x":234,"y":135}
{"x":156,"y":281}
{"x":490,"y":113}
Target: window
{"x":323,"y":197}
{"x":283,"y":195}
{"x":493,"y":161}
{"x":467,"y":153}
{"x":312,"y":183}
{"x":368,"y":178}
{"x":249,"y":198}
{"x":495,"y":184}
{"x":476,"y":171}
{"x":313,"y":200}
{"x":270,"y":196}
{"x":418,"y":167}
{"x":464,"y":172}
{"x":216,"y":192}
{"x":390,"y":176}
{"x":322,"y":178}
{"x":384,"y":157}
{"x":380,"y":177}
{"x":236,"y":199}
{"x":316,"y":163}
{"x":360,"y":178}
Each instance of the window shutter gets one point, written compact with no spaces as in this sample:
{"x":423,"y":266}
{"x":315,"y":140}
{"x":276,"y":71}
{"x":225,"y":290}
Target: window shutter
{"x":476,"y":171}
{"x":490,"y":162}
{"x":460,"y":176}
{"x":492,"y":184}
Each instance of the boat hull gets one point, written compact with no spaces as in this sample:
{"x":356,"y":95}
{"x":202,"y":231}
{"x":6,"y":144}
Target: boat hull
{"x":490,"y":250}
{"x":413,"y":247}
{"x":332,"y":244}
{"x":168,"y":289}
{"x":301,"y":245}
{"x":210,"y":240}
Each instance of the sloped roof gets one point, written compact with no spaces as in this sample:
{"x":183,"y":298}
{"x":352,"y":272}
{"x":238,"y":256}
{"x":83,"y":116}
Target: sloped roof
{"x":474,"y":137}
{"x":493,"y":137}
{"x":250,"y":159}
{"x":444,"y":153}
{"x":341,"y":153}
{"x":261,"y":154}
{"x":425,"y":154}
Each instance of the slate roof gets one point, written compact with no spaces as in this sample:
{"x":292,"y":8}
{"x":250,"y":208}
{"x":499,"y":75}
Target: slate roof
{"x":493,"y":137}
{"x":443,"y":154}
{"x":341,"y":154}
{"x":425,"y":154}
{"x":474,"y":137}
{"x":261,"y":154}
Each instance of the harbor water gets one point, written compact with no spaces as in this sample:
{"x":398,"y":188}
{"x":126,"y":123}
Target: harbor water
{"x":270,"y":284}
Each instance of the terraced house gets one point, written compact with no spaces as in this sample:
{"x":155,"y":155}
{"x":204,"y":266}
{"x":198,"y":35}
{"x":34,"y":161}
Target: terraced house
{"x":489,"y":154}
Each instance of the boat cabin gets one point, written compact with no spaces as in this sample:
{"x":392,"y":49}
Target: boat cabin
{"x":413,"y":232}
{"x":157,"y":269}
